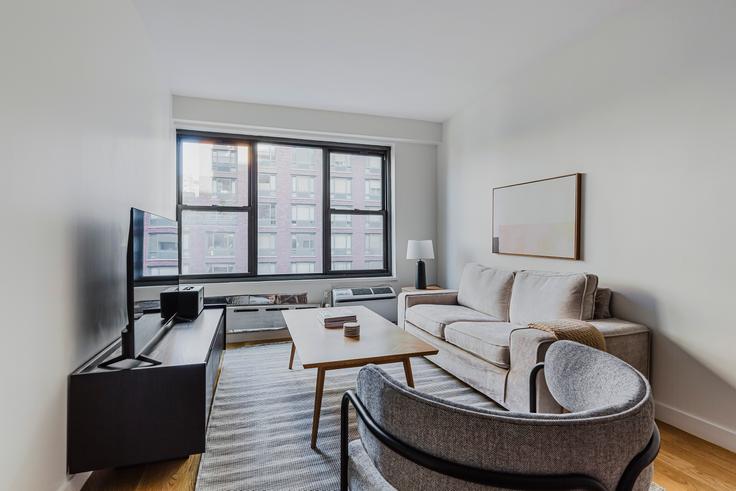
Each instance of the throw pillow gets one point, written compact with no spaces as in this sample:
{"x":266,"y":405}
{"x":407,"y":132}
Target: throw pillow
{"x":603,"y":303}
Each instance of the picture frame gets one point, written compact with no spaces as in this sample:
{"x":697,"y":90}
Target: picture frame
{"x":539,"y":218}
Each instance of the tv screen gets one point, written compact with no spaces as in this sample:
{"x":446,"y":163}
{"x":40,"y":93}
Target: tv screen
{"x":152,"y":265}
{"x":155,"y":266}
{"x":155,"y":247}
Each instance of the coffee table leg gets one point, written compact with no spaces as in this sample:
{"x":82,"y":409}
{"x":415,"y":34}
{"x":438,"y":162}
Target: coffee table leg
{"x":317,"y":404}
{"x":291,"y":358}
{"x":407,"y":372}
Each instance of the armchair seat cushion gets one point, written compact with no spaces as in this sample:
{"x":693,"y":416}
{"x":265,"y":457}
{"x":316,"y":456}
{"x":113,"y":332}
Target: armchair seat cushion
{"x":433,"y":318}
{"x":486,"y":340}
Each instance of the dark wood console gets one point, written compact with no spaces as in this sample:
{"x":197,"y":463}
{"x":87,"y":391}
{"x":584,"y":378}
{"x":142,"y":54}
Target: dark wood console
{"x":144,"y":413}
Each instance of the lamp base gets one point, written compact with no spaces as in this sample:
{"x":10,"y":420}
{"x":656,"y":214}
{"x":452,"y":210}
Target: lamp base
{"x":421,"y":283}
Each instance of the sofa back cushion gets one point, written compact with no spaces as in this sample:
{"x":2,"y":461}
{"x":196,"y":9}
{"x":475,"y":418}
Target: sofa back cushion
{"x":541,"y":295}
{"x":486,"y":290}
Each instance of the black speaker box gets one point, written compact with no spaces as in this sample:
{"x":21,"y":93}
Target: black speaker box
{"x":184,"y":301}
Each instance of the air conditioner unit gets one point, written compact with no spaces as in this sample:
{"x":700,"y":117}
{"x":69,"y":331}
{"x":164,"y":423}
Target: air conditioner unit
{"x":380,"y":299}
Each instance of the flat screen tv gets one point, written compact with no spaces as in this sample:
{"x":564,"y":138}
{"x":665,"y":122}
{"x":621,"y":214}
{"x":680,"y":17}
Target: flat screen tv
{"x":152,"y":263}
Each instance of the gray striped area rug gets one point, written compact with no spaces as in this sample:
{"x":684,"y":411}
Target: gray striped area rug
{"x":261,"y":420}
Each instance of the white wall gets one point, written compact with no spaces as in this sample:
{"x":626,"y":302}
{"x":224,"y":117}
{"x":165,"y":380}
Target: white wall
{"x":645,"y":107}
{"x":414,"y":164}
{"x":85,"y":133}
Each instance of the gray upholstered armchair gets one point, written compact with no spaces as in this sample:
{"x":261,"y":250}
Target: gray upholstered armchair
{"x":413,"y":441}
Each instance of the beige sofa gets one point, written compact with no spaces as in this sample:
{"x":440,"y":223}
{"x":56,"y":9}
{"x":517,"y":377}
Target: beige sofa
{"x":482,"y":334}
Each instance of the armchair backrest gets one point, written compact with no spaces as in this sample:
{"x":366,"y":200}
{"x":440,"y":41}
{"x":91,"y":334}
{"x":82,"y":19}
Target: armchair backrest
{"x":599,"y":446}
{"x":586,"y":380}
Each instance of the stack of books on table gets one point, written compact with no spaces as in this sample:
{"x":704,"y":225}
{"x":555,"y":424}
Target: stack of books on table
{"x":335,"y":317}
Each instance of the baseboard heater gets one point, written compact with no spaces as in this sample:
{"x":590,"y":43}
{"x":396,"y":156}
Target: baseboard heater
{"x":243,"y":319}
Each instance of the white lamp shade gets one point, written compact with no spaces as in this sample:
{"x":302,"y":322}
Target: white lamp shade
{"x":420,"y":249}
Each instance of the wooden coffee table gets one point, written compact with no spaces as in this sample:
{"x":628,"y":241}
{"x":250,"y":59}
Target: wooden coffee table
{"x":380,"y":341}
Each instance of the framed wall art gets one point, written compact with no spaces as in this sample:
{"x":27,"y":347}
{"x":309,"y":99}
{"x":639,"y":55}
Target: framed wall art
{"x":538,"y":218}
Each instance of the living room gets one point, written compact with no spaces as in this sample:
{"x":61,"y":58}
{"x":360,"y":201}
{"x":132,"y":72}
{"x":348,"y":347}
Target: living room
{"x":389,"y":245}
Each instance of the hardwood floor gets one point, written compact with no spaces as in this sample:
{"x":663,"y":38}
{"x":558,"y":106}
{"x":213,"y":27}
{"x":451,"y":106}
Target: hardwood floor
{"x":685,"y":462}
{"x":172,"y":475}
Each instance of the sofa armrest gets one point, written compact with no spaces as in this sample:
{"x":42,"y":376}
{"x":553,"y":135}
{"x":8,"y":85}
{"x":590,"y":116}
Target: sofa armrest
{"x":527,"y":347}
{"x":409,"y":299}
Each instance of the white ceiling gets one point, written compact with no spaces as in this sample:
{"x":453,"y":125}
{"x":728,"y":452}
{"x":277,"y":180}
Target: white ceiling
{"x":421,"y":59}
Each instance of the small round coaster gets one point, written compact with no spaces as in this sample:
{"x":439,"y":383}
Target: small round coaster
{"x":351,"y":329}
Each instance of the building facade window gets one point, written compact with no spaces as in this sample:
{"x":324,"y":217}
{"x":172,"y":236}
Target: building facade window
{"x":373,"y":190}
{"x":302,"y":187}
{"x":340,"y":163}
{"x":218,"y":268}
{"x":373,"y":168}
{"x":342,"y":265}
{"x":266,"y":244}
{"x":341,"y":188}
{"x":221,"y":244}
{"x":304,"y":158}
{"x":266,"y":184}
{"x":162,"y":271}
{"x":257,"y":206}
{"x":302,"y":215}
{"x":302,"y":267}
{"x":303,"y":244}
{"x":162,"y":246}
{"x":266,"y":267}
{"x":266,"y":154}
{"x":266,"y":214}
{"x":373,"y":244}
{"x":342,"y":244}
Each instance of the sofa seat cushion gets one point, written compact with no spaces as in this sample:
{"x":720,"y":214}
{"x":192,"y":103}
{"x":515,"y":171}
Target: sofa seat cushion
{"x":486,"y":340}
{"x":434,"y":318}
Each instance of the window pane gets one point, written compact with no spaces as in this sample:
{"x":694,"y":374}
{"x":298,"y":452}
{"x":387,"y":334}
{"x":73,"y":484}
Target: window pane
{"x":355,"y":181}
{"x":216,"y":242}
{"x":361,"y":244}
{"x":214,"y":174}
{"x":289,"y":209}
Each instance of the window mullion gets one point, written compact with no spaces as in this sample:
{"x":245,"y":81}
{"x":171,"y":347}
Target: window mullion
{"x":326,"y":213}
{"x":252,"y":239}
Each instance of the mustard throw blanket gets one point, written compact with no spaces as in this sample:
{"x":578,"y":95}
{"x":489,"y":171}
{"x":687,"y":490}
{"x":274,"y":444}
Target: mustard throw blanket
{"x":573,"y":330}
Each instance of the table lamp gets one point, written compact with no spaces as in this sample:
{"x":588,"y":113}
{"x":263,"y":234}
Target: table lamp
{"x":419,"y":250}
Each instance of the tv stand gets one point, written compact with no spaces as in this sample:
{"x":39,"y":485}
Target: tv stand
{"x":146,"y":413}
{"x":108,"y":365}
